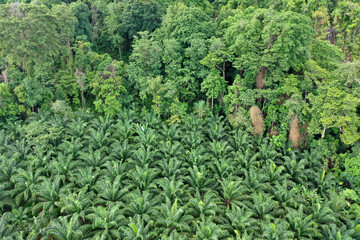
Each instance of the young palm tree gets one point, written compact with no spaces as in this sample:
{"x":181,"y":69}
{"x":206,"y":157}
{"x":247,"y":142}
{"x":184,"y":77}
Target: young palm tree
{"x":284,"y":196}
{"x":245,"y":160}
{"x":78,"y":203}
{"x":195,"y":157}
{"x":115,"y":169}
{"x":144,"y":156}
{"x":110,"y":191}
{"x":77,"y":128}
{"x":85,"y":177}
{"x":222,"y":168}
{"x":72,"y":147}
{"x":295,"y":170}
{"x":95,"y":159}
{"x":334,"y":233}
{"x":137,"y":230}
{"x":143,"y":178}
{"x":64,"y":165}
{"x":263,"y":207}
{"x":207,"y":230}
{"x":232,"y":192}
{"x":203,"y":208}
{"x":301,"y":225}
{"x":106,"y":223}
{"x":48,"y":197}
{"x":99,"y":139}
{"x":253,"y":182}
{"x":171,"y":168}
{"x":266,"y":152}
{"x":65,"y":228}
{"x":6,"y":201}
{"x":172,"y":189}
{"x":25,"y":184}
{"x":241,"y":141}
{"x":241,"y":221}
{"x":20,"y":220}
{"x":104,"y":124}
{"x":216,"y":129}
{"x":20,"y":150}
{"x":192,"y":140}
{"x":198,"y":180}
{"x":338,"y":205}
{"x":170,"y":132}
{"x":4,"y":141}
{"x":273,"y":174}
{"x":121,"y":151}
{"x":219,"y":149}
{"x":171,"y":217}
{"x":142,"y":205}
{"x":124,"y":130}
{"x":170,"y":149}
{"x":8,"y":168}
{"x":277,"y":231}
{"x":5,"y":230}
{"x":145,"y":135}
{"x":322,"y":214}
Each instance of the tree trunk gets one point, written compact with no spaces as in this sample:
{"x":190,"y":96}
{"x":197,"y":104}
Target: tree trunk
{"x":331,"y":36}
{"x":223,"y":71}
{"x":83,"y":99}
{"x":323,"y":133}
{"x":212,"y":103}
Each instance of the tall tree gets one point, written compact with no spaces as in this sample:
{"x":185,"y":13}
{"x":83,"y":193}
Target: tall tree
{"x":28,"y":34}
{"x":265,"y":42}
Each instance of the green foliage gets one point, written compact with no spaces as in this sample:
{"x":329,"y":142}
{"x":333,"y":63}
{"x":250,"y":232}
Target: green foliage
{"x":28,"y":34}
{"x":352,"y":171}
{"x":138,"y":176}
{"x":108,"y":132}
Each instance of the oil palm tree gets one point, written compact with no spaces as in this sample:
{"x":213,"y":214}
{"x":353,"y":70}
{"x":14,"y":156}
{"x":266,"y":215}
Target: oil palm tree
{"x":171,"y":217}
{"x":65,"y":228}
{"x":301,"y":225}
{"x":25,"y":184}
{"x":138,"y":230}
{"x":241,"y":221}
{"x":172,"y":189}
{"x":77,"y":202}
{"x":48,"y":197}
{"x":115,"y":169}
{"x":143,"y":205}
{"x":198,"y":180}
{"x":232,"y":192}
{"x":85,"y":177}
{"x":143,"y":178}
{"x":106,"y":223}
{"x":278,"y":231}
{"x":121,"y":151}
{"x":207,"y":230}
{"x":94,"y":158}
{"x":263,"y":207}
{"x":203,"y":208}
{"x":171,"y":168}
{"x":108,"y":191}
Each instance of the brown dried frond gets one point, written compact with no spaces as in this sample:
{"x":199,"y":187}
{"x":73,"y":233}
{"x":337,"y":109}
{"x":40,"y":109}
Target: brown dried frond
{"x":257,"y":120}
{"x":261,"y":78}
{"x":294,"y":134}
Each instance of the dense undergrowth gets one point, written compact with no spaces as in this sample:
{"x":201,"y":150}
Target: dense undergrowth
{"x":138,"y":177}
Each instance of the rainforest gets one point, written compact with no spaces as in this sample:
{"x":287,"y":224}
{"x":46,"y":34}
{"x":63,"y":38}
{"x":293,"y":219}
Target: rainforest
{"x":180,"y":119}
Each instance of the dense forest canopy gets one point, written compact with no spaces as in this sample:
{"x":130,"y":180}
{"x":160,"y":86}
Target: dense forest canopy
{"x":189,"y":119}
